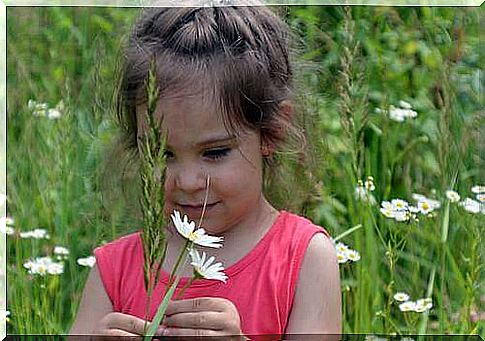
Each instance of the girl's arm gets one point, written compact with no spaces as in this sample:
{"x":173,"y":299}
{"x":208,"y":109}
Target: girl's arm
{"x":96,"y":317}
{"x":317,"y":303}
{"x":95,"y":304}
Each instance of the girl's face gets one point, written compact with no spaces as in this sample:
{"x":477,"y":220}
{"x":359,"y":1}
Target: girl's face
{"x":200,"y":146}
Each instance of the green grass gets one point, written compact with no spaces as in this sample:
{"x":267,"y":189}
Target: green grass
{"x":428,"y":57}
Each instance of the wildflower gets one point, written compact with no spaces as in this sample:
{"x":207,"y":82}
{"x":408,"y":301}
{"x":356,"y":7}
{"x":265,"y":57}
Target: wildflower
{"x":425,"y":207}
{"x":88,"y":261}
{"x":204,"y":268}
{"x":413,"y":209}
{"x":369,"y":184}
{"x":4,"y":316}
{"x":401,"y":297}
{"x":374,"y":338}
{"x":387,"y":209}
{"x":470,"y":205}
{"x":61,"y":252}
{"x":481,"y":197}
{"x":407,"y":306}
{"x":400,"y":114}
{"x":423,"y":304}
{"x":404,"y":105}
{"x":6,"y":224}
{"x":342,"y":257}
{"x":401,"y":215}
{"x":477,"y":189}
{"x":38,"y":109}
{"x":53,"y":113}
{"x":197,"y":236}
{"x":353,"y":255}
{"x":419,"y":197}
{"x":399,"y":205}
{"x":452,"y":196}
{"x":341,"y":247}
{"x":362,"y":192}
{"x":44,"y":266}
{"x":43,"y":110}
{"x":36,"y":234}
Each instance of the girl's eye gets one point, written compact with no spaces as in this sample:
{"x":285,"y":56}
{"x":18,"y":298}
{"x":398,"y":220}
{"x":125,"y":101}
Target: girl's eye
{"x":216,"y":154}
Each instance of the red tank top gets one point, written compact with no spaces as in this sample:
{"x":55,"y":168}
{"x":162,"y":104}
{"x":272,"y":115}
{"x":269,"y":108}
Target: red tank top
{"x":261,"y":284}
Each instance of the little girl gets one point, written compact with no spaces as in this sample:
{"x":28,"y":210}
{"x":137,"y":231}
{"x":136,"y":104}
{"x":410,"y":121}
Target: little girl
{"x":226,"y":101}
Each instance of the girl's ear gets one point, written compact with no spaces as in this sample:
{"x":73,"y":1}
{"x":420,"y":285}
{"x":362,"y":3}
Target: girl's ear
{"x":287,"y":109}
{"x":282,"y":123}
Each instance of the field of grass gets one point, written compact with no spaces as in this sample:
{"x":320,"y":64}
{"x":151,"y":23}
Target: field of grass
{"x":388,"y":93}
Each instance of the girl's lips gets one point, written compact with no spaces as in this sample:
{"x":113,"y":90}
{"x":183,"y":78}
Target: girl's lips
{"x":194,"y":212}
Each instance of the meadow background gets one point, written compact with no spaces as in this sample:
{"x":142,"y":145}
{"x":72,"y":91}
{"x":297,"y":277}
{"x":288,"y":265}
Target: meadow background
{"x":391,"y":93}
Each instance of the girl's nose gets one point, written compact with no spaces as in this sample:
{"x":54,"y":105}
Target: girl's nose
{"x":190,"y":179}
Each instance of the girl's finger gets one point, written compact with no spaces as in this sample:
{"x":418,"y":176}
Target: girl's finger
{"x":197,"y":320}
{"x":119,"y":332}
{"x":127,"y":323}
{"x":195,"y":304}
{"x":191,"y":332}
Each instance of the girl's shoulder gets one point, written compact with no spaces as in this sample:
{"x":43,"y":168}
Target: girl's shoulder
{"x":121,"y":250}
{"x":298,"y":225}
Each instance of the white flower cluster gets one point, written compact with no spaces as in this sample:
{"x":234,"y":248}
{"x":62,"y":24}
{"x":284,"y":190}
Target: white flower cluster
{"x":61,"y":252}
{"x":375,"y":338}
{"x":44,"y":266}
{"x":87,"y":261}
{"x":4,"y":316}
{"x":36,"y":234}
{"x":6,"y":225}
{"x":418,"y":306}
{"x":364,"y":189}
{"x":399,"y":114}
{"x":475,"y":206}
{"x":346,"y":254}
{"x":401,"y":210}
{"x":43,"y":110}
{"x":203,"y":266}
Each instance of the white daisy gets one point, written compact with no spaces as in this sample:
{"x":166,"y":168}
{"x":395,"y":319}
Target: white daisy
{"x":478,"y":189}
{"x":342,"y":257}
{"x":423,"y":304}
{"x":204,"y":268}
{"x":401,"y":215}
{"x":481,"y":197}
{"x":197,"y":236}
{"x":341,"y":247}
{"x":452,"y":196}
{"x":36,"y":234}
{"x":401,"y":297}
{"x":404,"y":104}
{"x":470,"y":205}
{"x":425,"y":207}
{"x":88,"y":261}
{"x":61,"y":252}
{"x":353,"y":255}
{"x":4,"y":316}
{"x":407,"y":306}
{"x":399,"y":204}
{"x":44,"y":266}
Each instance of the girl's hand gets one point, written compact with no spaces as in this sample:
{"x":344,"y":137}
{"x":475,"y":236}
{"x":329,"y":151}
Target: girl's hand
{"x":118,"y":324}
{"x":203,"y":316}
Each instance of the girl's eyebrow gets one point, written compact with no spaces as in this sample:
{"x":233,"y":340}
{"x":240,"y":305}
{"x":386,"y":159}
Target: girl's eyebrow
{"x":217,"y":140}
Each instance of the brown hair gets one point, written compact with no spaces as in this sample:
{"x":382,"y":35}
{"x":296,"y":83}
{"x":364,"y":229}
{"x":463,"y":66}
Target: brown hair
{"x":241,"y":53}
